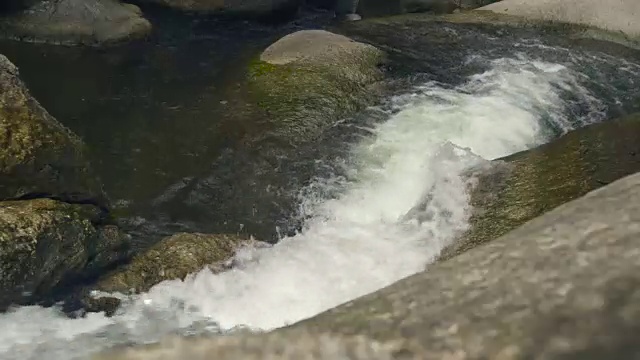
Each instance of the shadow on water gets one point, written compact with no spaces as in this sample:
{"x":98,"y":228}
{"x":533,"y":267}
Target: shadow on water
{"x":165,"y":119}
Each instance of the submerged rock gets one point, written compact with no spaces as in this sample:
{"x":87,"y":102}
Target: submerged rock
{"x":39,"y":157}
{"x":308,"y":80}
{"x":88,"y":22}
{"x":562,"y":286}
{"x":525,"y":185}
{"x":174,"y":257}
{"x":45,"y":244}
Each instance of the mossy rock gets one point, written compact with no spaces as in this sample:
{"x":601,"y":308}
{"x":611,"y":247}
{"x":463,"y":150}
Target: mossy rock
{"x":174,"y":257}
{"x":39,"y":156}
{"x":308,"y":80}
{"x":522,"y":186}
{"x":45,"y":244}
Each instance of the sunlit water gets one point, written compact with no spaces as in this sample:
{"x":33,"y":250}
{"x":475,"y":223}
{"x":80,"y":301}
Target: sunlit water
{"x":355,"y":241}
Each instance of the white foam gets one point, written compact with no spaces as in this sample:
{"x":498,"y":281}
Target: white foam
{"x":353,"y":244}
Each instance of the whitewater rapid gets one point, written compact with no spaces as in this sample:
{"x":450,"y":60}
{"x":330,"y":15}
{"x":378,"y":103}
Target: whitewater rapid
{"x":353,"y":243}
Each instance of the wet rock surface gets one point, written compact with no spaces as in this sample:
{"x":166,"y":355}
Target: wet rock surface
{"x":53,"y":210}
{"x":308,"y":80}
{"x":45,"y":244}
{"x":525,"y":185}
{"x":39,"y":157}
{"x":174,"y":257}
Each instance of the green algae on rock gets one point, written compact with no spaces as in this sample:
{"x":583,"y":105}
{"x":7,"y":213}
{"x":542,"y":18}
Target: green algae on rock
{"x":308,"y":80}
{"x":76,"y":22}
{"x":174,"y":257}
{"x":525,"y":185}
{"x":39,"y":157}
{"x":45,"y":243}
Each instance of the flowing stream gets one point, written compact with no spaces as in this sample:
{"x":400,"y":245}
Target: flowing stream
{"x":356,"y":236}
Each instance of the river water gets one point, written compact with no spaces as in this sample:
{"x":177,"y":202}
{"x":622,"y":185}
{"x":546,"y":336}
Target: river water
{"x":353,"y":236}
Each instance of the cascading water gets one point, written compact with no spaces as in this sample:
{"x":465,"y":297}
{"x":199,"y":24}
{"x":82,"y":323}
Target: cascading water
{"x":354,"y":242}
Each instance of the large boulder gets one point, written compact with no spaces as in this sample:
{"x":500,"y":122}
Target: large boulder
{"x":308,"y":80}
{"x":562,"y":286}
{"x":88,"y":22}
{"x":39,"y":157}
{"x":615,"y":16}
{"x":45,"y":244}
{"x":174,"y":257}
{"x":522,"y":186}
{"x":247,"y":8}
